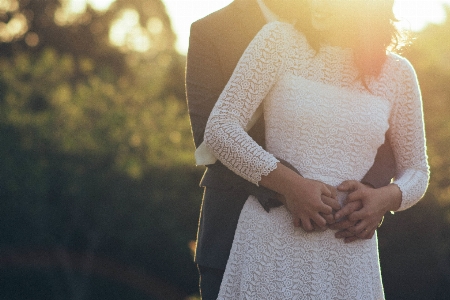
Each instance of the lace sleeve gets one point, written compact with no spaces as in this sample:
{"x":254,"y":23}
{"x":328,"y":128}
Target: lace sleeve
{"x":251,"y":81}
{"x":408,"y":137}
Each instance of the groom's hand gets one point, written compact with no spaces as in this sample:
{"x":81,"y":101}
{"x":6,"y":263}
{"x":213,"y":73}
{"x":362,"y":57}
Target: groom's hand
{"x":374,"y":204}
{"x":343,"y":224}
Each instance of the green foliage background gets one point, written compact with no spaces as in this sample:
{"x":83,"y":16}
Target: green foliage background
{"x":99,"y":193}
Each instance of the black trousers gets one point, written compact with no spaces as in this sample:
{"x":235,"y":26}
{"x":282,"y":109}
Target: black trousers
{"x":210,"y":280}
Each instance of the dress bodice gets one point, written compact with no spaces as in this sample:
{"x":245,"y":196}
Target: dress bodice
{"x":319,"y":116}
{"x":328,"y":133}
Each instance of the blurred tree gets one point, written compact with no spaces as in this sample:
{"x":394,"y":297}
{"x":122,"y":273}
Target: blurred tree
{"x":108,"y":82}
{"x":96,"y":140}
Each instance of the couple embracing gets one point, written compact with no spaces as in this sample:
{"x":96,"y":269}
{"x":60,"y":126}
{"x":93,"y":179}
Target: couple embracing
{"x":317,"y":128}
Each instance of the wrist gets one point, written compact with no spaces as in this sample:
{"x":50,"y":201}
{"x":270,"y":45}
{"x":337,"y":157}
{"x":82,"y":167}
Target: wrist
{"x":282,"y":180}
{"x":394,"y":197}
{"x":294,"y":183}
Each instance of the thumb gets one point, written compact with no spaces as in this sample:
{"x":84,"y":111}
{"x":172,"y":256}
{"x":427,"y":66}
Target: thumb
{"x":348,"y":186}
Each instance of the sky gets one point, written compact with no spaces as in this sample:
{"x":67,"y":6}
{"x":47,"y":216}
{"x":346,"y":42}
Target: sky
{"x":415,"y":14}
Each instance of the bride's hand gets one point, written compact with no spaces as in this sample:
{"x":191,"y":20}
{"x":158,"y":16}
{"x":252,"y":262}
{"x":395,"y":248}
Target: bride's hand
{"x":329,"y":218}
{"x":343,"y":224}
{"x":305,"y":199}
{"x":312,"y":204}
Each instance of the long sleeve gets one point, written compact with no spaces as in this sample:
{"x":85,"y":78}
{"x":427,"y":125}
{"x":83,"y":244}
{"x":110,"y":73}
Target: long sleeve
{"x":408,"y":137}
{"x":251,"y":81}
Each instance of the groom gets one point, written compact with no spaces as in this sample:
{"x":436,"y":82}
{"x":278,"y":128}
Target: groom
{"x":216,"y":44}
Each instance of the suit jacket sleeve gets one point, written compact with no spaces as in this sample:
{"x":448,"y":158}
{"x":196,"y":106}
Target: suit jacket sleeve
{"x":383,"y":169}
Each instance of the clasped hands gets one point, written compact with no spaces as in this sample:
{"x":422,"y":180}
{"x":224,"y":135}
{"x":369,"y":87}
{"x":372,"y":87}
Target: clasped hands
{"x":314,"y":206}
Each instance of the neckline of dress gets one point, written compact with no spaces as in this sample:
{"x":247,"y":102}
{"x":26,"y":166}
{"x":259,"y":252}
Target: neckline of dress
{"x":337,"y":52}
{"x":344,"y":50}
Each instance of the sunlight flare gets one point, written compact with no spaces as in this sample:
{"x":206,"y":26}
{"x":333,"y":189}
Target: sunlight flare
{"x":100,"y":5}
{"x":414,"y":14}
{"x":126,"y":32}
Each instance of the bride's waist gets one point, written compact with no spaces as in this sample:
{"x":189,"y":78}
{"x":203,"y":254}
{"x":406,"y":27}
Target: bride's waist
{"x":327,"y":179}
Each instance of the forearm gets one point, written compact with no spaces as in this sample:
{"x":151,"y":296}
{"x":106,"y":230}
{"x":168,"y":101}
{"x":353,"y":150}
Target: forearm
{"x":281,"y":179}
{"x":225,"y":133}
{"x":407,"y":136}
{"x":412,"y":183}
{"x":392,"y":196}
{"x":229,"y":143}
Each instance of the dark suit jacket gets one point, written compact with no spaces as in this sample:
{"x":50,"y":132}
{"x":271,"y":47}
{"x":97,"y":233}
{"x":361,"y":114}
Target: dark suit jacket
{"x":216,"y":44}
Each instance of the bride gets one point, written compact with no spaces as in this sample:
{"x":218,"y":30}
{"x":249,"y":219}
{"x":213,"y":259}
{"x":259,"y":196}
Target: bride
{"x":330,"y":94}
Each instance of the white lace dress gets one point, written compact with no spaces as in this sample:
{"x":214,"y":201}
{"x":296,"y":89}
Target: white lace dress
{"x":321,"y":119}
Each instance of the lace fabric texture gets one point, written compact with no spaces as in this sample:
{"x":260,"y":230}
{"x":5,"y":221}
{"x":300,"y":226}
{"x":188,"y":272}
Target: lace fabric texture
{"x":270,"y":259}
{"x":321,"y":119}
